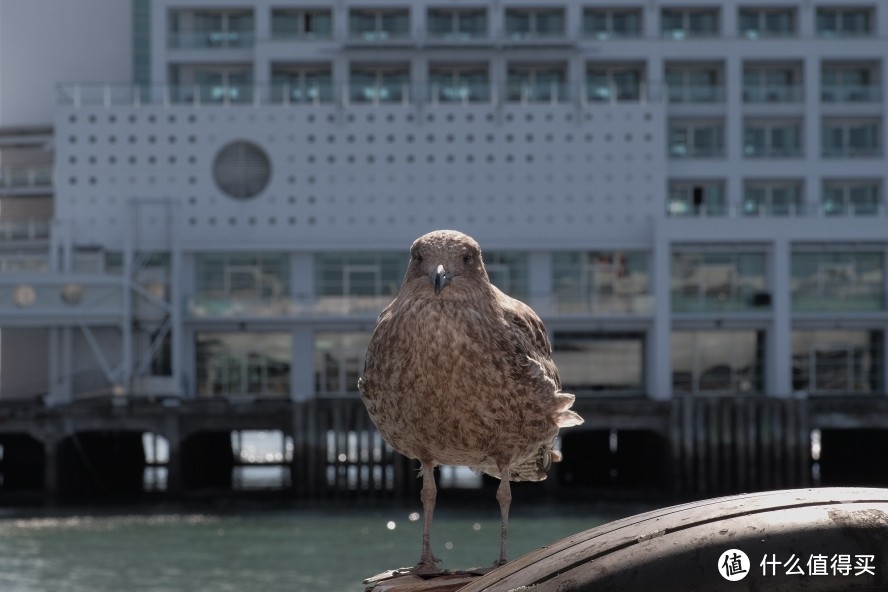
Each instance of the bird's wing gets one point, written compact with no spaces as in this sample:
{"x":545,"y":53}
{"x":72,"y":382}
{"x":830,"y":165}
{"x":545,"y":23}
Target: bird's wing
{"x":532,"y":344}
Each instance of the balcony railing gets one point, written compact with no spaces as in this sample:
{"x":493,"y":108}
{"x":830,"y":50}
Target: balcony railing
{"x":24,"y":230}
{"x":211,"y":39}
{"x":856,"y":93}
{"x":807,"y":210}
{"x":686,"y":93}
{"x":25,"y":177}
{"x":774,"y":94}
{"x":322,"y":92}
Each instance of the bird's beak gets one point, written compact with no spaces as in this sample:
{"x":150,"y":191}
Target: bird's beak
{"x":440,"y":279}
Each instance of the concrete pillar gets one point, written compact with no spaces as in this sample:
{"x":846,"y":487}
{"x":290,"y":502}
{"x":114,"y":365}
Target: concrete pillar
{"x":659,"y":338}
{"x":778,"y":367}
{"x":302,"y":372}
{"x":539,"y":282}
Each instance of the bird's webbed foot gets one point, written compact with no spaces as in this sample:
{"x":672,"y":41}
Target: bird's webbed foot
{"x":427,"y":567}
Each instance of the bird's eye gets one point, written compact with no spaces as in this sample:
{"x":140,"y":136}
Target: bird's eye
{"x":417,"y":257}
{"x":468,"y":258}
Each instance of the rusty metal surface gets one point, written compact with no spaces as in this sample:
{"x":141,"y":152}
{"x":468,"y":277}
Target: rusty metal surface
{"x":679,"y":548}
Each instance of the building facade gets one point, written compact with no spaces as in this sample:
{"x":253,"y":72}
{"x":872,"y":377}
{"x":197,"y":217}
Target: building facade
{"x":690,"y":194}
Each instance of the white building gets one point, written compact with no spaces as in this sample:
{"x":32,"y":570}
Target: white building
{"x":691,"y":194}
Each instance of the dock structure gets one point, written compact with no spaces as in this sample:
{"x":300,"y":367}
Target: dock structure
{"x":688,"y":446}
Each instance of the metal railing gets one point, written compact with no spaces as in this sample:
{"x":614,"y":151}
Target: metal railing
{"x":328,"y":93}
{"x":774,"y":94}
{"x":851,"y":93}
{"x":24,"y":230}
{"x":26,"y":177}
{"x":211,"y":39}
{"x":792,"y":210}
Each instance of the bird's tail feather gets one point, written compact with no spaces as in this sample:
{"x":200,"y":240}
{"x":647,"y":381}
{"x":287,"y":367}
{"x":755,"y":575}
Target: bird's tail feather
{"x":564,"y":417}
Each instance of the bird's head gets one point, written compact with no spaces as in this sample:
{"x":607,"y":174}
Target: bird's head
{"x":445,"y":264}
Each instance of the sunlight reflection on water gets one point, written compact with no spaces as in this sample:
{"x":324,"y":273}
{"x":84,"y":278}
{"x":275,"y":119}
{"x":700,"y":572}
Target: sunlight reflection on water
{"x":276,"y":550}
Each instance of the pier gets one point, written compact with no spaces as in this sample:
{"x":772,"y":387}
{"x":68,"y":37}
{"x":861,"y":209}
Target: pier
{"x":106,"y":448}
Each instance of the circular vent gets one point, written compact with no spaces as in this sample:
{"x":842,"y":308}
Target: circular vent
{"x":242,"y":169}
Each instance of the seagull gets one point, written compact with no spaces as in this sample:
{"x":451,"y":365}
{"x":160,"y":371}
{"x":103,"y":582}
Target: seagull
{"x":458,"y":373}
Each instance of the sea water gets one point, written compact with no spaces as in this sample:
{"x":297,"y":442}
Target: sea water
{"x":321,"y":548}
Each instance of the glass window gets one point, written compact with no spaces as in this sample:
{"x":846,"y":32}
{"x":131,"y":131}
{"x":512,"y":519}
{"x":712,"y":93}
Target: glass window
{"x":523,"y":23}
{"x":767,"y":22}
{"x":851,"y":138}
{"x":378,"y":84}
{"x":533,"y":84}
{"x":607,"y":23}
{"x":613,"y":83}
{"x":772,"y":198}
{"x":591,"y":363}
{"x":357,"y":282}
{"x":772,"y":139}
{"x":844,"y":83}
{"x":729,"y":362}
{"x":508,"y":271}
{"x":244,"y":363}
{"x":696,"y":198}
{"x":844,"y":22}
{"x":842,"y":281}
{"x":379,"y":25}
{"x":307,"y":24}
{"x":851,"y":198}
{"x":457,"y":24}
{"x":696,"y":139}
{"x":601,"y":282}
{"x":302,"y":84}
{"x":682,"y":23}
{"x":694,"y":84}
{"x":457,"y":84}
{"x":339,"y":361}
{"x":240,"y":283}
{"x":766,"y":83}
{"x":837,"y":361}
{"x":718,"y":281}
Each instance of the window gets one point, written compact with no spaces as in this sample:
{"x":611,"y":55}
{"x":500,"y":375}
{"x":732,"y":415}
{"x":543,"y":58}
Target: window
{"x":767,"y":22}
{"x":695,"y":83}
{"x":844,"y":22}
{"x":301,"y":24}
{"x":855,"y":197}
{"x":850,"y":138}
{"x":850,"y":83}
{"x":459,"y":84}
{"x":601,"y":282}
{"x":772,"y":83}
{"x":768,"y":138}
{"x":613,"y":83}
{"x":379,"y":25}
{"x":837,"y":361}
{"x":682,"y":23}
{"x":211,"y":28}
{"x":208,"y":85}
{"x":379,"y":84}
{"x":348,"y":283}
{"x":696,"y":139}
{"x":447,"y":23}
{"x":696,"y":198}
{"x":298,"y":83}
{"x":718,"y":281}
{"x":232,"y":284}
{"x":244,"y":363}
{"x":339,"y":361}
{"x":508,"y":271}
{"x":826,"y":280}
{"x":534,"y":83}
{"x":612,"y":23}
{"x":524,"y":23}
{"x":772,"y":198}
{"x":590,"y":363}
{"x":728,"y":362}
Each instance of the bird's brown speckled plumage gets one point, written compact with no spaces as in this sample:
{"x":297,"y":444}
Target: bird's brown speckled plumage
{"x":459,"y":373}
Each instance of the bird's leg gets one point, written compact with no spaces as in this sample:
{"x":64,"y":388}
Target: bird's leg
{"x":504,"y":497}
{"x":427,"y":562}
